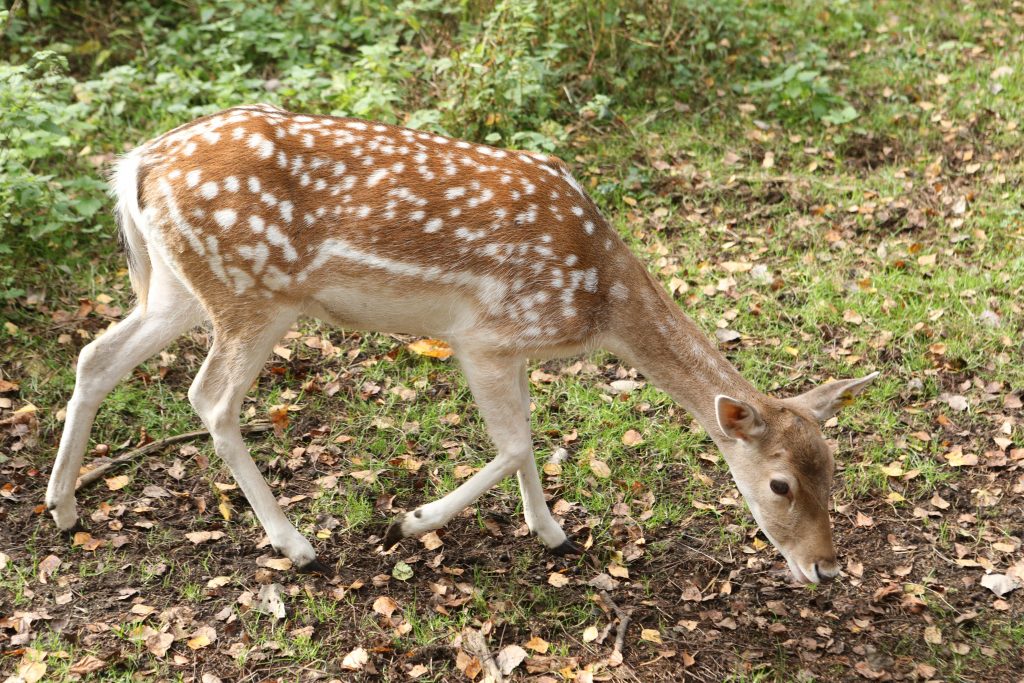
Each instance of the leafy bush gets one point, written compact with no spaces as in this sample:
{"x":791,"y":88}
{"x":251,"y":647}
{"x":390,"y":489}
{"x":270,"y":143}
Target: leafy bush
{"x":86,"y":79}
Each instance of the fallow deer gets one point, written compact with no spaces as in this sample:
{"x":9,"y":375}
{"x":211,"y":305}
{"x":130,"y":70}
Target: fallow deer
{"x":253,"y":216}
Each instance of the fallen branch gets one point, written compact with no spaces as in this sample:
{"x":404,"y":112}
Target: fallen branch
{"x":473,"y":642}
{"x":623,"y":616}
{"x":96,"y":473}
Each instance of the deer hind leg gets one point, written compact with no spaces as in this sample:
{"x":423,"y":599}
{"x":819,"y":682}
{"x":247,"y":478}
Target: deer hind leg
{"x":101,"y":365}
{"x":495,"y":383}
{"x":216,"y":394}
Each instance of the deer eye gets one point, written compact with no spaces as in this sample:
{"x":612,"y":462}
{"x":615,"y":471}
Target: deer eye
{"x":780,"y":487}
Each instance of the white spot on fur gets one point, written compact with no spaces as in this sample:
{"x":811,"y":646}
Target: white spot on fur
{"x":433,"y":225}
{"x":254,"y":184}
{"x":209,"y":190}
{"x":225,"y":217}
{"x":192,"y":178}
{"x":376,"y":177}
{"x":231,"y":184}
{"x":286,"y":208}
{"x":264,"y":147}
{"x":257,"y":224}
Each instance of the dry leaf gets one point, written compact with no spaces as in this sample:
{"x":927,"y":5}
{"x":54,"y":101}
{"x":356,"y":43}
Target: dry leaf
{"x":632,"y":438}
{"x":590,"y":634}
{"x":384,"y":606}
{"x":651,"y":635}
{"x":600,"y":469}
{"x":432,"y":348}
{"x":87,"y":664}
{"x":431,"y":541}
{"x":118,"y":482}
{"x":538,"y":644}
{"x":355,"y":660}
{"x":509,"y":658}
{"x":158,"y":643}
{"x":203,"y":636}
{"x":198,"y":537}
{"x":932,"y":635}
{"x":558,"y":580}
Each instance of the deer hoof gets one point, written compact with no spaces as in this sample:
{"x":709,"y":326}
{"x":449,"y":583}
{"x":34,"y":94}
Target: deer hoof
{"x":568,"y":548}
{"x":394,"y":533}
{"x":316,"y":567}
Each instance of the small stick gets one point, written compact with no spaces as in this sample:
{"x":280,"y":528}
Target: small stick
{"x":475,"y":644}
{"x":624,"y":617}
{"x":96,"y":473}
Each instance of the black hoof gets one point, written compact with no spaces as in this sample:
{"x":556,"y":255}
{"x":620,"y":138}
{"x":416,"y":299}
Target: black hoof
{"x":316,"y":567}
{"x":568,"y":548}
{"x":70,"y":532}
{"x":394,"y":533}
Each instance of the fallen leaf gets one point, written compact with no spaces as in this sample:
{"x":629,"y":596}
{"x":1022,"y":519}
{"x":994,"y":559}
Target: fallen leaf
{"x":651,"y":635}
{"x":281,"y":564}
{"x":1000,"y":584}
{"x":558,"y":580}
{"x":600,"y":468}
{"x":202,"y":637}
{"x":632,"y":438}
{"x":932,"y":635}
{"x":158,"y":643}
{"x":47,"y":567}
{"x":118,"y":482}
{"x":355,"y":660}
{"x":509,"y":658}
{"x":402,"y":571}
{"x":271,"y":601}
{"x":87,"y":664}
{"x":538,"y":644}
{"x":198,"y":537}
{"x":431,"y":541}
{"x":431,"y":348}
{"x":384,"y":606}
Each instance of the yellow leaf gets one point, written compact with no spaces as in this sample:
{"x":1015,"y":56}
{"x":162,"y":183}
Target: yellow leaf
{"x":600,"y":469}
{"x":432,"y":348}
{"x":651,"y":635}
{"x":893,"y":469}
{"x":538,"y":644}
{"x":118,"y":482}
{"x":225,"y":508}
{"x":589,"y":634}
{"x":618,"y":571}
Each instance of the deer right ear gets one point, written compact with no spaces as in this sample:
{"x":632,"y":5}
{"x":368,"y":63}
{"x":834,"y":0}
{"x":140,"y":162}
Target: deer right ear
{"x":738,"y":420}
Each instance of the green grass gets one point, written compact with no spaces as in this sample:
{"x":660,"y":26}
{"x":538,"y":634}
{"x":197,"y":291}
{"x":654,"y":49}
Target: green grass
{"x":839,"y":231}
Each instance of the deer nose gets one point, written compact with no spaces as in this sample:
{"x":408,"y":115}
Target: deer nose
{"x":826,"y":570}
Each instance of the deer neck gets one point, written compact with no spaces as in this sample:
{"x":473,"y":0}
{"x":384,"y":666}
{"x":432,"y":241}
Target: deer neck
{"x":654,"y":335}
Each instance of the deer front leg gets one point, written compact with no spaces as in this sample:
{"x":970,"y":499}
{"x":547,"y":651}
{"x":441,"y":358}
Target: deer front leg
{"x":498,"y":385}
{"x":535,"y":506}
{"x":216,"y":394}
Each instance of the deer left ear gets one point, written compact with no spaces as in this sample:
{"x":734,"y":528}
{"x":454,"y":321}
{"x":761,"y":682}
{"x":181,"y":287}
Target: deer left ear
{"x":738,"y":420}
{"x":825,"y":401}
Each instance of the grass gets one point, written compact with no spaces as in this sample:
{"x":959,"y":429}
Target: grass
{"x":849,"y":251}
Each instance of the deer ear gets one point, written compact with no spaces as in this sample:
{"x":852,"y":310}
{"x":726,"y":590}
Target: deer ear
{"x":825,"y":401}
{"x":738,"y":420}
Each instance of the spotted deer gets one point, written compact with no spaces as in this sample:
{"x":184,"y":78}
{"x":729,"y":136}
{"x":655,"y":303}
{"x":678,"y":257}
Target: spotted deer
{"x":254,"y":216}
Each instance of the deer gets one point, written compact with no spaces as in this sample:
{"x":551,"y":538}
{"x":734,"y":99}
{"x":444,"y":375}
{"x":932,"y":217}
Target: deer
{"x":246,"y":219}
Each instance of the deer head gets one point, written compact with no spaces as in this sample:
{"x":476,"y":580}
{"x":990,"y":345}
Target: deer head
{"x":783,"y":467}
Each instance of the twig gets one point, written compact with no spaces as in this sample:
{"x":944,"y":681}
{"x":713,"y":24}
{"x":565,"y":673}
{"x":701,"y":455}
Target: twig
{"x":10,"y":16}
{"x":474,"y":643}
{"x":96,"y":473}
{"x":624,"y":617}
